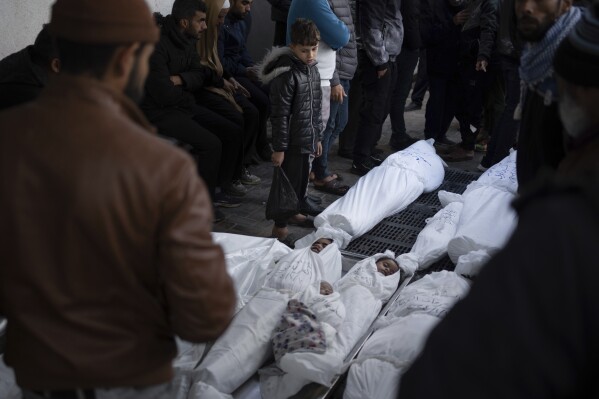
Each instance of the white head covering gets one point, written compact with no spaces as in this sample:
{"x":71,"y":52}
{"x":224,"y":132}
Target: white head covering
{"x":227,"y":4}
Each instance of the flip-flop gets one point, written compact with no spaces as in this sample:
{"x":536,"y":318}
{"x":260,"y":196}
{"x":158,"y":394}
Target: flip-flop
{"x":333,"y":187}
{"x":307,"y":222}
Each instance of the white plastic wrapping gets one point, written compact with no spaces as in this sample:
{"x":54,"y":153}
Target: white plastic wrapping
{"x":421,"y":158}
{"x":502,"y":175}
{"x":340,"y":237}
{"x":246,"y":344}
{"x":8,"y":384}
{"x":384,"y":191}
{"x":431,"y":243}
{"x":434,"y":294}
{"x":471,"y":264}
{"x":486,"y":222}
{"x":386,"y":355}
{"x":296,"y":271}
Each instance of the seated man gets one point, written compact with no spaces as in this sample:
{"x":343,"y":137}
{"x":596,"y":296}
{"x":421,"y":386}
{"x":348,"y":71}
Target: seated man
{"x":176,"y":74}
{"x":237,"y":62}
{"x":24,"y":74}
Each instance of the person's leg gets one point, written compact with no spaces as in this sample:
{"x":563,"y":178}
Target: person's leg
{"x":259,"y":98}
{"x":207,"y":148}
{"x":230,"y":135}
{"x":506,"y":129}
{"x":347,"y":137}
{"x":297,"y":169}
{"x":280,"y":38}
{"x":320,"y":164}
{"x":373,"y":110}
{"x":406,"y":62}
{"x":435,"y":107}
{"x":422,"y":81}
{"x":326,"y":104}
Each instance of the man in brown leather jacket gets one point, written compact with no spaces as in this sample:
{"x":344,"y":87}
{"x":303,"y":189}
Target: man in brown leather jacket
{"x":105,"y":246}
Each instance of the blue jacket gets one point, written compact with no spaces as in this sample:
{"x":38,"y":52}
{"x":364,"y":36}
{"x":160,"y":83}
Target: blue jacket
{"x":232,"y":45}
{"x":333,"y":31}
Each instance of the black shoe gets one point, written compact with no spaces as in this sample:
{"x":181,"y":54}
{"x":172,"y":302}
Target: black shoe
{"x":412,"y":106}
{"x":444,"y":141}
{"x":404,"y":141}
{"x":343,"y":154}
{"x":314,"y":198}
{"x":225,"y":201}
{"x":219,"y":216}
{"x":361,"y":168}
{"x":308,"y":207}
{"x":376,"y":151}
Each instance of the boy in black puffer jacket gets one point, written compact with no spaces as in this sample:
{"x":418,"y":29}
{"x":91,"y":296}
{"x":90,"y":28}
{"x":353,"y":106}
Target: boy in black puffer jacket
{"x":296,"y":101}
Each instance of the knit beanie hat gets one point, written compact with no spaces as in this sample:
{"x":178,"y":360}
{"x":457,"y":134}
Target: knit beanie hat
{"x":103,"y":21}
{"x":577,"y":58}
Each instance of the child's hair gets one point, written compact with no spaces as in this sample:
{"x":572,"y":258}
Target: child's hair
{"x":304,"y":33}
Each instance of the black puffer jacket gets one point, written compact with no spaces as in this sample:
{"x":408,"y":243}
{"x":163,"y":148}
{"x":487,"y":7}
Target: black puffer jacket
{"x":379,"y":28}
{"x":175,"y":54}
{"x":295,"y":101}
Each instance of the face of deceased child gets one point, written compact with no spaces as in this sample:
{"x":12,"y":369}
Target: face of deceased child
{"x":320,"y":244}
{"x":387,"y":266}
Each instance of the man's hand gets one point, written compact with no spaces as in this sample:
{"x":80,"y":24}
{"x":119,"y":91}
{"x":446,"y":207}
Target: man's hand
{"x":277,"y":158}
{"x":337,"y":93}
{"x":318,"y":149}
{"x":461,"y":17}
{"x":482,"y":64}
{"x":252,"y":73}
{"x":177,"y":81}
{"x":381,"y":73}
{"x":228,"y":86}
{"x":239,"y":88}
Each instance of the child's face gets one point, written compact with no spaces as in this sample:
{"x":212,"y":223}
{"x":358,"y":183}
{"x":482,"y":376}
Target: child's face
{"x":325,"y":288}
{"x":320,"y":244}
{"x":387,"y":266}
{"x":307,"y":54}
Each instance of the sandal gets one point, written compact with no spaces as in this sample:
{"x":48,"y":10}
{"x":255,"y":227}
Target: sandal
{"x":332,"y":187}
{"x":307,"y":222}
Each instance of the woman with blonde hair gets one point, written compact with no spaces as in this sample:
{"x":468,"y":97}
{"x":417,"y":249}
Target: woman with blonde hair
{"x":235,"y":107}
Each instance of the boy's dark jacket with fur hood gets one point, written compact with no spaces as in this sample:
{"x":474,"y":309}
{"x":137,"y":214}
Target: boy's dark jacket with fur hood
{"x":295,"y":101}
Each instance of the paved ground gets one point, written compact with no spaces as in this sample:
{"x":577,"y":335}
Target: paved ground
{"x":249,"y":218}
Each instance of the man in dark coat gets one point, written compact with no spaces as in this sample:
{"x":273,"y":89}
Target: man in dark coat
{"x":25,"y":73}
{"x":529,"y":328}
{"x":106,"y":253}
{"x":176,"y":74}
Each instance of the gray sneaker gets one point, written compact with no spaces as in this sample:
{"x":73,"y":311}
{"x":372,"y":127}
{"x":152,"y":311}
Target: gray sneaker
{"x":249,"y":179}
{"x":235,"y":189}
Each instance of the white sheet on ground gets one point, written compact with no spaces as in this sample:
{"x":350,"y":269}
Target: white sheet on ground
{"x":421,"y":158}
{"x":296,"y":271}
{"x":340,"y":237}
{"x":431,"y":243}
{"x":472,"y":263}
{"x":249,"y":260}
{"x":376,"y":373}
{"x":486,"y":222}
{"x":434,"y":294}
{"x":245,"y":345}
{"x":385,"y":190}
{"x":502,"y":175}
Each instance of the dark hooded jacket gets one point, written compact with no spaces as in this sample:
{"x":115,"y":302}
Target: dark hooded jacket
{"x":21,"y":78}
{"x":295,"y":101}
{"x":175,"y":54}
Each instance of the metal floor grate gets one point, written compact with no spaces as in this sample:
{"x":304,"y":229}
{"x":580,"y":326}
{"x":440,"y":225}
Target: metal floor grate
{"x":398,"y":233}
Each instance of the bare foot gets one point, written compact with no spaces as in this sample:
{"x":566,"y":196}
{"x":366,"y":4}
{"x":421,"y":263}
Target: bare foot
{"x":280,"y":232}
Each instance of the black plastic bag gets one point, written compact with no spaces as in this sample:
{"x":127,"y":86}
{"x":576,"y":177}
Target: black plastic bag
{"x":282,"y":201}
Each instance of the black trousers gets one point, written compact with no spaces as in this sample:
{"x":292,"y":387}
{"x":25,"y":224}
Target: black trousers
{"x":406,"y":63}
{"x":207,"y":133}
{"x":347,"y":138}
{"x":258,"y":98}
{"x":297,"y":168}
{"x":421,"y":85}
{"x":441,"y":105}
{"x":246,"y":121}
{"x":375,"y":106}
{"x":280,"y":39}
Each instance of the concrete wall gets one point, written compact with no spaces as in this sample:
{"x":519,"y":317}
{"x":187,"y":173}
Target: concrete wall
{"x":21,"y":20}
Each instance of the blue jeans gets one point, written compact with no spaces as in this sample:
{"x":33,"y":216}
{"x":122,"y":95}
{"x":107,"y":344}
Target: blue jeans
{"x":335,"y":125}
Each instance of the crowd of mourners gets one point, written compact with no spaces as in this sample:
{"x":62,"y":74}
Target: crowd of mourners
{"x":89,"y":199}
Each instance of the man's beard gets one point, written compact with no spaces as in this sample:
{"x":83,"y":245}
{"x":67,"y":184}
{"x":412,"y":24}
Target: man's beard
{"x":135,"y":86}
{"x":574,"y":118}
{"x":539,"y":33}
